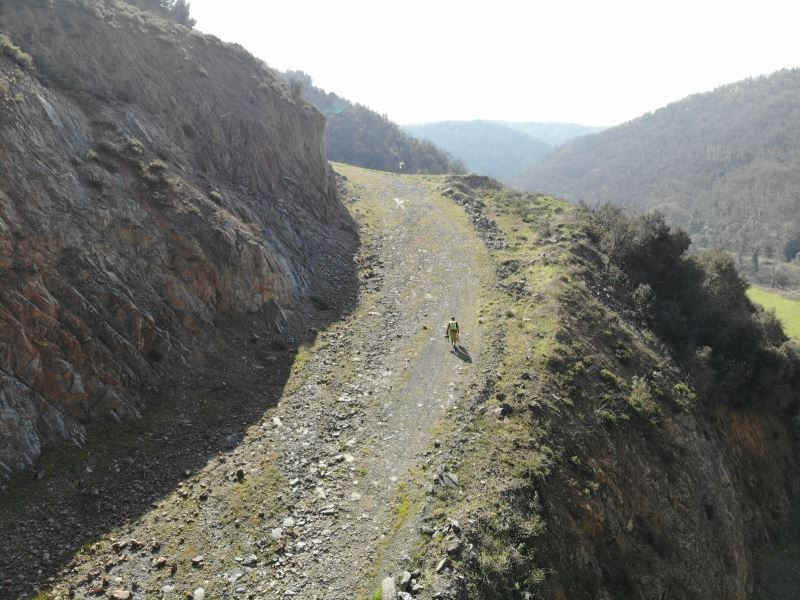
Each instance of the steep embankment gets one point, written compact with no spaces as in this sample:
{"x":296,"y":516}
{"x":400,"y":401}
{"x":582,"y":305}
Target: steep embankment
{"x":600,"y":468}
{"x":719,"y":164}
{"x":153,"y":181}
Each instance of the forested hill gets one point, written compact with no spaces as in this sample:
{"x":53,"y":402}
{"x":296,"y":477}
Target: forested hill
{"x":500,"y":149}
{"x":722,"y":164}
{"x":360,"y":136}
{"x":552,"y":133}
{"x":487,"y":148}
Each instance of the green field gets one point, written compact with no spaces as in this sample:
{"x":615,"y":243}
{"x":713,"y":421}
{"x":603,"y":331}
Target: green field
{"x":787,"y":310}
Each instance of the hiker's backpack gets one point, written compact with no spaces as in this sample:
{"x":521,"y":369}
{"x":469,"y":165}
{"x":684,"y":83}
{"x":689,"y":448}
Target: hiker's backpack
{"x":453,"y":325}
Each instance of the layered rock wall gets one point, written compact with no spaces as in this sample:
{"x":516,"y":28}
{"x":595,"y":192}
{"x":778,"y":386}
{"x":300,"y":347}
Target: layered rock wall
{"x":152,"y":179}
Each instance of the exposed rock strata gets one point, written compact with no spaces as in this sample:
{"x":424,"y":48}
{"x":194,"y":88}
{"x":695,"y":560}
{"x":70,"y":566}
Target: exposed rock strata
{"x":152,"y":179}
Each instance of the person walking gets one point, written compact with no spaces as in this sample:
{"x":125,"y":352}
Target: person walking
{"x":452,"y":331}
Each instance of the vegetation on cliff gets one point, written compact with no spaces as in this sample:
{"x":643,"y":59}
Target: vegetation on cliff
{"x":697,"y":305}
{"x":177,"y":10}
{"x":627,"y":431}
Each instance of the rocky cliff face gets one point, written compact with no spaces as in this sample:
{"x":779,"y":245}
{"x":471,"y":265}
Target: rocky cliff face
{"x":152,"y":181}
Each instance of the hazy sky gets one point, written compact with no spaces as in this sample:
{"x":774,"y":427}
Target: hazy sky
{"x":597,"y":62}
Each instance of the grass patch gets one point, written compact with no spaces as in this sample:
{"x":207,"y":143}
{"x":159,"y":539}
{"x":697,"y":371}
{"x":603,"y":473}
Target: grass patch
{"x":786,"y":309}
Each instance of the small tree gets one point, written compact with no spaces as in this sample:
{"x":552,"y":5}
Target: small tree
{"x":791,"y":249}
{"x":180,"y":12}
{"x":754,"y":257}
{"x":177,"y":10}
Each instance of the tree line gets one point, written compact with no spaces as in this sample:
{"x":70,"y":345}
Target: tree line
{"x":177,"y":10}
{"x":360,"y":136}
{"x":722,"y":165}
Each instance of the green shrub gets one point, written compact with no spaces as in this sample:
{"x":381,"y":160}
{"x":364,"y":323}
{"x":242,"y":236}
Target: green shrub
{"x":682,"y":394}
{"x":695,"y":303}
{"x":135,"y":145}
{"x":155,"y":170}
{"x":215,"y":197}
{"x":640,"y":398}
{"x":8,"y":48}
{"x":157,"y":166}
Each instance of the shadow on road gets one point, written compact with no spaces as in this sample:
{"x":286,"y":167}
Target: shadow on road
{"x":75,"y":496}
{"x":462,"y":353}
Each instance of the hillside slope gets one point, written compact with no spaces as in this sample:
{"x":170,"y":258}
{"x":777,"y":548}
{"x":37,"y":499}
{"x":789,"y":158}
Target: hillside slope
{"x":359,"y":136}
{"x":153,"y":181}
{"x":720,"y":164}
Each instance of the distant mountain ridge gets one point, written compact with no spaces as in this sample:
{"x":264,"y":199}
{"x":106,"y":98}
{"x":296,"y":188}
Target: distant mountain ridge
{"x":359,"y":136}
{"x":721,"y":164}
{"x":553,"y":133}
{"x":500,"y":149}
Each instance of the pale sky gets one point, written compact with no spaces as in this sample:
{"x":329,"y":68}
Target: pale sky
{"x":598,"y":62}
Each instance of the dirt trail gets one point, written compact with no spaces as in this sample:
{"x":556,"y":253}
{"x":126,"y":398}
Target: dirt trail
{"x":322,"y":497}
{"x":390,"y":380}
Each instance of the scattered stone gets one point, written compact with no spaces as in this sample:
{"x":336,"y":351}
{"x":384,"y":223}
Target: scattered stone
{"x":454,"y":548}
{"x":388,"y":589}
{"x":160,"y":562}
{"x":288,"y":522}
{"x":448,"y":479}
{"x":198,"y":561}
{"x":276,"y":533}
{"x":135,"y":544}
{"x":503,"y":410}
{"x":199,"y":594}
{"x":250,"y":560}
{"x":445,"y":563}
{"x":405,"y":581}
{"x":120,"y":595}
{"x":404,"y":596}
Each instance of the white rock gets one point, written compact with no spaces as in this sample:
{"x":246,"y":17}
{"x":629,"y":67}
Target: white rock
{"x":387,"y":586}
